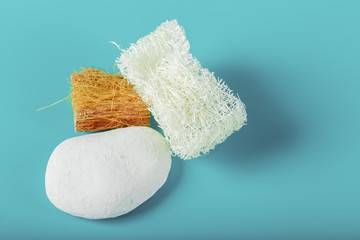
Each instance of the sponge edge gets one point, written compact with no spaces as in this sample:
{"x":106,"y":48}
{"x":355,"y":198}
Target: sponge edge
{"x":195,"y":109}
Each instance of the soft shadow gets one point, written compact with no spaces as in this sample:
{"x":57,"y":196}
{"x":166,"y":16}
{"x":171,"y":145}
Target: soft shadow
{"x":270,"y":128}
{"x":155,"y":125}
{"x":174,"y":178}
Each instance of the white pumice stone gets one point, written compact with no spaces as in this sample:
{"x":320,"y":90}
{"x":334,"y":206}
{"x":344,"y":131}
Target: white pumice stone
{"x":107,"y":174}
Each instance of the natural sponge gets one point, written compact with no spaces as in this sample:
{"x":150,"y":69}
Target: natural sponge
{"x":105,"y":101}
{"x":195,"y":109}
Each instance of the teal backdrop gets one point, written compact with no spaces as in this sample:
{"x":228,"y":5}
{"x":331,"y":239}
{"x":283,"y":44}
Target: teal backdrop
{"x":293,"y":172}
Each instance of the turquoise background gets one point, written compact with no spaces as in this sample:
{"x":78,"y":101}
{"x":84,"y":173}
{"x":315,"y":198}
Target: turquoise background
{"x":292,"y":173}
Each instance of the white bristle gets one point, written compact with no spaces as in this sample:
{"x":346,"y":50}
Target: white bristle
{"x":195,"y":109}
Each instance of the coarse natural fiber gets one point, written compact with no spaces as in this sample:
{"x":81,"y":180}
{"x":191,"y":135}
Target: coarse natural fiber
{"x":105,"y":101}
{"x":195,"y":109}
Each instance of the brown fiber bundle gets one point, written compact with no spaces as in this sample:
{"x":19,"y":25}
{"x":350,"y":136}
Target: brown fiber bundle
{"x":105,"y":101}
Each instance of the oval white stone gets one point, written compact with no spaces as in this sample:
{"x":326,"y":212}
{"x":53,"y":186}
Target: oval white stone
{"x":107,"y":174}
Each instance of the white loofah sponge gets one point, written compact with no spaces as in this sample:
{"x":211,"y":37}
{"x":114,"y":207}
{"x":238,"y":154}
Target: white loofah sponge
{"x":195,"y":110}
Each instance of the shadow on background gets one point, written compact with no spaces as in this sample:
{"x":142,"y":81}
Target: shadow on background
{"x":173,"y":180}
{"x":270,"y":129}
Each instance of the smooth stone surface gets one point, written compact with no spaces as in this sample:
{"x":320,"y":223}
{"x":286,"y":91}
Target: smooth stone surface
{"x":107,"y":174}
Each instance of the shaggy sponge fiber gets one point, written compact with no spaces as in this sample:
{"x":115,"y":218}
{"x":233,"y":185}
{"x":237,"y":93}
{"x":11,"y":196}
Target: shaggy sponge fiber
{"x":195,"y":109}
